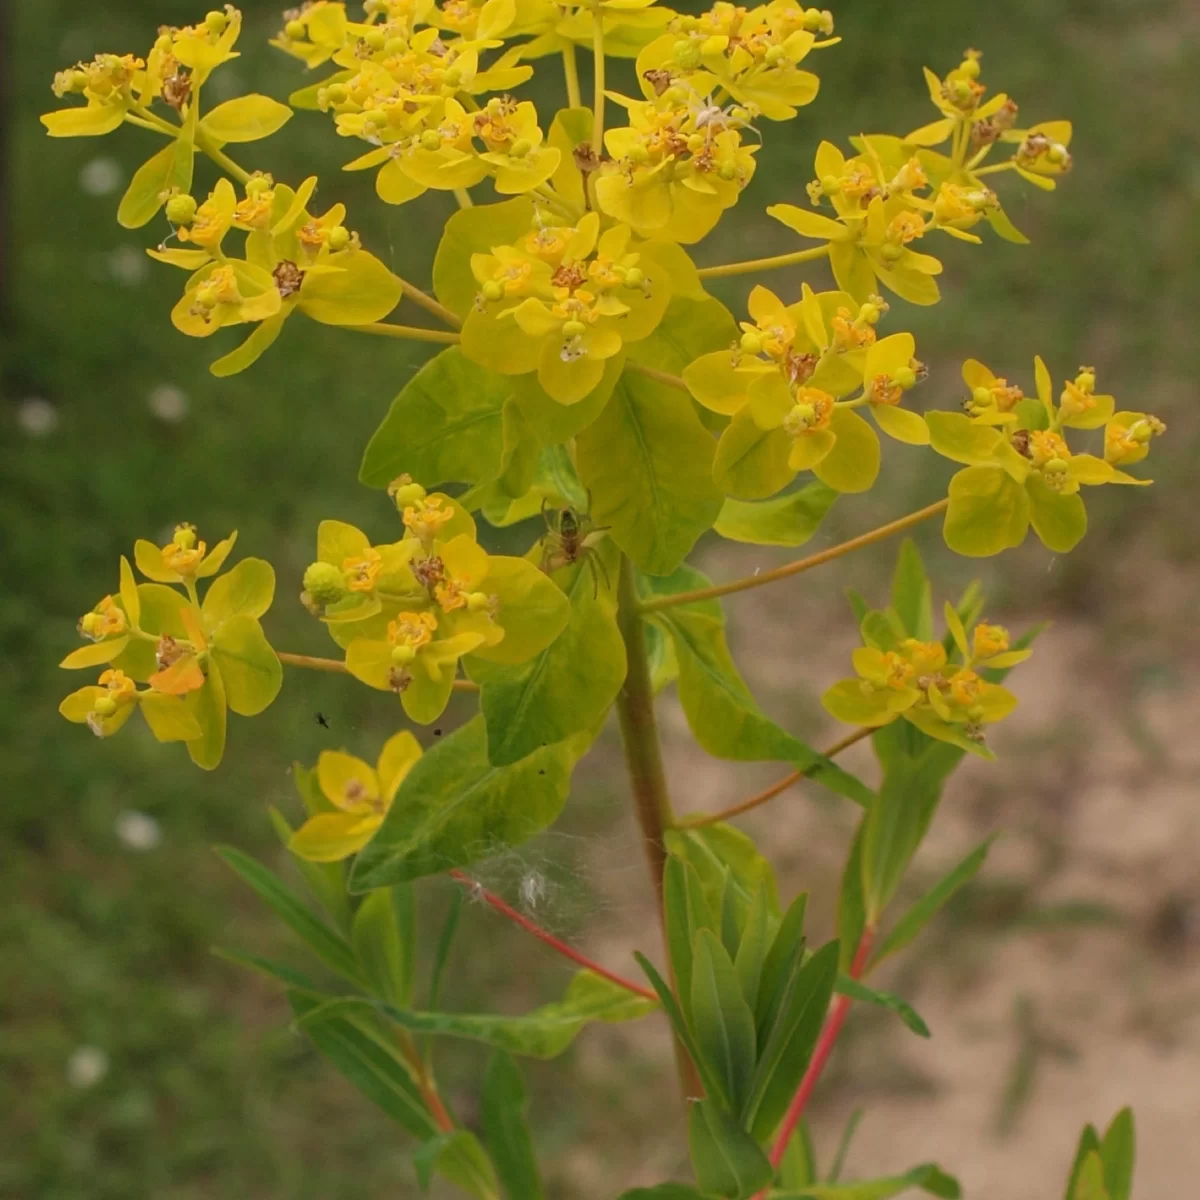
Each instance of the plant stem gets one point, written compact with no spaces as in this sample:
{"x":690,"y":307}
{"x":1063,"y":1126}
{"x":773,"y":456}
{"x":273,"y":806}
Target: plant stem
{"x":648,"y":781}
{"x":598,"y":93}
{"x":429,"y":304}
{"x":802,"y":564}
{"x":221,"y":159}
{"x":506,"y":910}
{"x":780,"y":785}
{"x":412,"y":333}
{"x":424,"y":1081}
{"x":825,"y":1043}
{"x":336,"y":666}
{"x":764,"y":264}
{"x":662,"y":376}
{"x":571,"y":71}
{"x":1004,"y":166}
{"x":463,"y":197}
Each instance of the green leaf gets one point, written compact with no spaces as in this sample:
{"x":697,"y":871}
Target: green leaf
{"x":246,"y":119}
{"x":798,"y":1166}
{"x":848,"y":1132}
{"x":454,"y":807}
{"x":852,"y":912}
{"x":783,"y":521}
{"x":786,"y":952}
{"x":207,"y":705}
{"x":1089,"y":1143}
{"x":1118,"y":1152}
{"x":245,"y":591}
{"x":506,"y":1129}
{"x":928,"y":1177}
{"x":727,"y":862}
{"x":280,"y":972}
{"x":752,"y":950}
{"x":326,"y":881}
{"x":1060,"y":521}
{"x":988,"y":513}
{"x":459,"y":1156}
{"x":446,"y":426}
{"x":917,"y":917}
{"x":856,"y":990}
{"x":250,"y":669}
{"x":727,"y":1160}
{"x":790,"y":1043}
{"x":1089,"y":1183}
{"x":721,"y":713}
{"x":664,"y":1191}
{"x":751,"y":463}
{"x":263,"y":337}
{"x":329,"y":946}
{"x":690,"y":327}
{"x":475,"y":231}
{"x":360,"y":1051}
{"x":384,"y":937}
{"x":151,"y":183}
{"x":543,"y":1033}
{"x":646,"y":461}
{"x":570,"y":685}
{"x":554,"y":423}
{"x":912,"y":593}
{"x":721,"y":1019}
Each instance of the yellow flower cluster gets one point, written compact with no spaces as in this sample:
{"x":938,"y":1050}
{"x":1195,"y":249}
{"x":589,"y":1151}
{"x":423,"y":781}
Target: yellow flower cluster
{"x":406,"y":612}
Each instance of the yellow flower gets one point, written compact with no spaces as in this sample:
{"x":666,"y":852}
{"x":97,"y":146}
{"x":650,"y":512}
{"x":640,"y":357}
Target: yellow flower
{"x":1127,"y":437}
{"x":359,"y":797}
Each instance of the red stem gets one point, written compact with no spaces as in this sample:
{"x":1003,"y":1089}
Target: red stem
{"x":505,"y":910}
{"x":825,"y":1044}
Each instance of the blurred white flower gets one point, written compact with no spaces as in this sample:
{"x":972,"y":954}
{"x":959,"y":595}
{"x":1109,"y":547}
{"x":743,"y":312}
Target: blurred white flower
{"x":138,"y":831}
{"x":86,"y":1067}
{"x":168,"y":403}
{"x":128,"y":265}
{"x":37,"y":417}
{"x":101,"y":176}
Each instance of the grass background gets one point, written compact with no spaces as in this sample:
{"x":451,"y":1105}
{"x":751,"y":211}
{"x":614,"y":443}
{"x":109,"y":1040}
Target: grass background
{"x":206,"y":1093}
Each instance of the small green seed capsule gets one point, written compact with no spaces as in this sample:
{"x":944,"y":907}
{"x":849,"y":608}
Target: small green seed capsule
{"x":520,"y":148}
{"x":727,"y":171}
{"x":405,"y":493}
{"x":752,"y":342}
{"x":104,"y":706}
{"x":687,"y":55}
{"x":905,"y":377}
{"x":376,"y":39}
{"x":181,"y":209}
{"x":831,"y":185}
{"x":492,"y":290}
{"x":982,"y":397}
{"x":257,"y":184}
{"x":1056,"y":466}
{"x":891,"y":251}
{"x":216,"y":22}
{"x":574,"y":329}
{"x":635,"y":277}
{"x":402,"y":655}
{"x":431,"y":139}
{"x":325,"y":583}
{"x":336,"y":93}
{"x":296,"y":30}
{"x":773,"y":55}
{"x":339,"y":238}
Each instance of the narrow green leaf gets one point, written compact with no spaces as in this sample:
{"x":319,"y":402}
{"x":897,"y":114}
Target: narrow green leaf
{"x":727,"y":1160}
{"x":280,"y":972}
{"x":726,"y":859}
{"x":326,"y":881}
{"x":384,"y":939}
{"x":664,"y":1191}
{"x":543,"y":1033}
{"x":570,"y":685}
{"x":919,"y":915}
{"x":1118,"y":1152}
{"x":1089,"y":1142}
{"x":912,"y":593}
{"x":790,"y":1045}
{"x":856,"y":990}
{"x":361,"y":1053}
{"x":1090,"y":1183}
{"x":852,"y":912}
{"x":445,"y":426}
{"x":679,"y":930}
{"x":928,"y":1177}
{"x":839,"y":1158}
{"x":712,"y":1085}
{"x":752,"y":951}
{"x":721,"y":1018}
{"x":798,"y":1167}
{"x":893,"y":831}
{"x":786,"y":949}
{"x":440,"y":957}
{"x":330,"y":947}
{"x":506,"y":1129}
{"x":454,"y":807}
{"x":647,"y":463}
{"x":788,"y":520}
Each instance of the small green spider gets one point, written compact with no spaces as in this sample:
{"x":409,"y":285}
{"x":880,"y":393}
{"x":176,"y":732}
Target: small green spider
{"x":571,"y":538}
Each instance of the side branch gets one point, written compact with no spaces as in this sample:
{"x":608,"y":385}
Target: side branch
{"x":560,"y":947}
{"x":662,"y":376}
{"x":764,"y":264}
{"x":800,"y":565}
{"x":780,"y":785}
{"x":337,"y":667}
{"x":412,"y":333}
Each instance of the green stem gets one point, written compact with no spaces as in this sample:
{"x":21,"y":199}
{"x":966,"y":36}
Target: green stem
{"x":653,"y":373}
{"x":571,"y":71}
{"x":221,"y":158}
{"x":1004,"y":166}
{"x":463,"y":197}
{"x":598,"y":57}
{"x":643,"y":760}
{"x":764,"y":264}
{"x":801,"y":564}
{"x":412,"y":333}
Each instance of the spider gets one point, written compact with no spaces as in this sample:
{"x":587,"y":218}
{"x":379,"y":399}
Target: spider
{"x":571,"y":538}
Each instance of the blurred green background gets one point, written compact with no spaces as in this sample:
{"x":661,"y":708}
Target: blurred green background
{"x":132,"y":1062}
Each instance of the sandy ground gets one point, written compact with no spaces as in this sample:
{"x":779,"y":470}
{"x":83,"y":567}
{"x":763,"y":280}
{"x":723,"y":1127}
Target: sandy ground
{"x":1063,"y":985}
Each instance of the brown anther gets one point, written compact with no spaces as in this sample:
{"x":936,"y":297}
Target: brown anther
{"x":570,"y":275}
{"x":354,"y":791}
{"x":984,"y":133}
{"x":288,"y":278}
{"x":800,"y":367}
{"x":167,"y":651}
{"x":1020,"y":443}
{"x":177,"y":89}
{"x":586,"y":159}
{"x":429,"y":572}
{"x":399,"y":678}
{"x":659,"y":80}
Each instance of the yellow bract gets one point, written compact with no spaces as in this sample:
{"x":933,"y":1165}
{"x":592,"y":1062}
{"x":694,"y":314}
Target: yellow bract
{"x":359,"y":798}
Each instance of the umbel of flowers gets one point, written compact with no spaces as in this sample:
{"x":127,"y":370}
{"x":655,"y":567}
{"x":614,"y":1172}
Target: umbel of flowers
{"x":590,"y":392}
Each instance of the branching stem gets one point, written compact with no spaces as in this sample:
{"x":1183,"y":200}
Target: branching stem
{"x":764,"y":264}
{"x":412,"y":333}
{"x":337,"y":667}
{"x":800,"y":565}
{"x":662,"y":376}
{"x":571,"y":71}
{"x":598,"y":93}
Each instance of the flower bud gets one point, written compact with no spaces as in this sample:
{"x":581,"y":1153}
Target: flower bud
{"x":181,"y":209}
{"x":296,"y":30}
{"x":216,"y":22}
{"x":339,"y":238}
{"x":325,"y":583}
